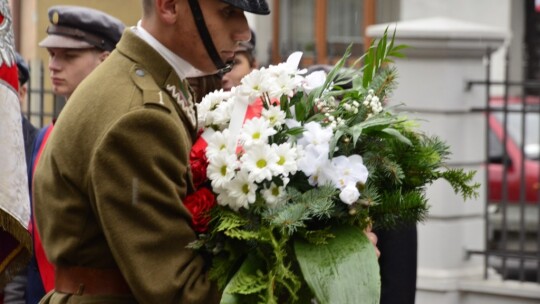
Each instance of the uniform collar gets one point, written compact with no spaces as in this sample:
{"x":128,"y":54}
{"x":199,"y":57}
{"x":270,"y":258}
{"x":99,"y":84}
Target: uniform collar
{"x":183,"y":68}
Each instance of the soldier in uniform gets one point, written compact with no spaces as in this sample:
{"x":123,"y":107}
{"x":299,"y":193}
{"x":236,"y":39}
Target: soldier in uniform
{"x":109,"y":208}
{"x":78,"y":40}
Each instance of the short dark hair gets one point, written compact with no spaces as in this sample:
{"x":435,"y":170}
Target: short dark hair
{"x":22,"y":67}
{"x":249,"y":55}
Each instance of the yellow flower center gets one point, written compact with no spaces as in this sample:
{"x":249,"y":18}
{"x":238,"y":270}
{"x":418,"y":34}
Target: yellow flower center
{"x":261,"y":163}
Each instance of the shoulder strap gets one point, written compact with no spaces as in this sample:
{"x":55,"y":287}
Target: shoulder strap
{"x":152,"y":93}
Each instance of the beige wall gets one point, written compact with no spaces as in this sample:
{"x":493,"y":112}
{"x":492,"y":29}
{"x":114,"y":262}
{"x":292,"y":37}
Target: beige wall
{"x":33,"y":19}
{"x":129,"y":11}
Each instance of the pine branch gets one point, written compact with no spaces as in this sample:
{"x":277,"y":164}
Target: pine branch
{"x":398,"y":208}
{"x":461,"y":182}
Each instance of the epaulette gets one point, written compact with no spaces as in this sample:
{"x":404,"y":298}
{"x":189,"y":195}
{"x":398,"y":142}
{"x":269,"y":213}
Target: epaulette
{"x":152,"y":94}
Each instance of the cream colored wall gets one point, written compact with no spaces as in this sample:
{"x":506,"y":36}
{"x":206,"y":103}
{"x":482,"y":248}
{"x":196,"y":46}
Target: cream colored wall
{"x":34,"y":20}
{"x":129,"y":11}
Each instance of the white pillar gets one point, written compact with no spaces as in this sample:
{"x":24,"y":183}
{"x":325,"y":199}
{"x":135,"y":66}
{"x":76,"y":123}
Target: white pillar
{"x":443,"y":55}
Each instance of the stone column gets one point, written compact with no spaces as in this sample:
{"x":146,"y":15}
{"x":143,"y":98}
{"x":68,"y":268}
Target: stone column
{"x":443,"y":55}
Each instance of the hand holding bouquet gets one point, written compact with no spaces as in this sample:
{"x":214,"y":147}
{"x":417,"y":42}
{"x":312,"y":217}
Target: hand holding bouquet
{"x":300,"y":166}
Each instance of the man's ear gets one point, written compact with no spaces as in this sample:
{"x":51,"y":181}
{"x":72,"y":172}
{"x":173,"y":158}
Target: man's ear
{"x":167,"y":10}
{"x":103,"y":55}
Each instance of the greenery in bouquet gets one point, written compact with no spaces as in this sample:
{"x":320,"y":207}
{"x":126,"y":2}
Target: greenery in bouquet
{"x":295,"y":167}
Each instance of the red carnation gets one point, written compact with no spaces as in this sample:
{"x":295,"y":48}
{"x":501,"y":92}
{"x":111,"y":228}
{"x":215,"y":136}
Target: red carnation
{"x":199,"y":163}
{"x":199,"y":204}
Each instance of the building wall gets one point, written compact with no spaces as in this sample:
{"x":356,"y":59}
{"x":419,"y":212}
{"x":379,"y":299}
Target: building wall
{"x":504,"y":14}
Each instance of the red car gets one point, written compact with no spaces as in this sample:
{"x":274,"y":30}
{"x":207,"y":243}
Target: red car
{"x":523,"y":168}
{"x":513,"y":192}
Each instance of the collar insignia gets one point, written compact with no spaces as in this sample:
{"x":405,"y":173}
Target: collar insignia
{"x":186,"y":104}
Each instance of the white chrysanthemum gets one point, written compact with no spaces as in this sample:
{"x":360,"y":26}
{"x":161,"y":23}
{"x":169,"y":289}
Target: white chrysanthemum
{"x":208,"y":104}
{"x":349,"y":194}
{"x":274,"y":115}
{"x":347,"y":170}
{"x":288,"y":69}
{"x":225,"y":199}
{"x":261,"y":162}
{"x":243,"y":190}
{"x":221,"y":116}
{"x":256,"y":131}
{"x":274,"y":195}
{"x":217,"y":143}
{"x":287,"y":155}
{"x":221,"y":169}
{"x":283,"y":85}
{"x":255,"y":84}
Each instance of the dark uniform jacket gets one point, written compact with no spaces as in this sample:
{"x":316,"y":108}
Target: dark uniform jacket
{"x":109,"y":186}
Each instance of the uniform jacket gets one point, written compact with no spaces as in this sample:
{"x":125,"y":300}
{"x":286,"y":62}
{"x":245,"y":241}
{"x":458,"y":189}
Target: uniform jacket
{"x":109,"y":185}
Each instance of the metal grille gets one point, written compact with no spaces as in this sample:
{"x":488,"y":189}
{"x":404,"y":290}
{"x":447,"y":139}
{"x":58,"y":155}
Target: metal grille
{"x":512,"y":178}
{"x":41,"y":106}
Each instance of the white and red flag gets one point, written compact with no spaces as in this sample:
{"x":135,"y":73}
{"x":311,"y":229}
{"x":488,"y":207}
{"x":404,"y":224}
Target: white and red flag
{"x":15,"y":240}
{"x":537,"y":5}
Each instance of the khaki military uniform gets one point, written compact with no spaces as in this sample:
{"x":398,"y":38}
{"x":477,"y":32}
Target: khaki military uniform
{"x":110,"y":183}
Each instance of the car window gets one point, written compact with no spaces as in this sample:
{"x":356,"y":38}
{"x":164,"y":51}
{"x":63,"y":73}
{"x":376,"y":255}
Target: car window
{"x":515,"y":132}
{"x":495,"y":149}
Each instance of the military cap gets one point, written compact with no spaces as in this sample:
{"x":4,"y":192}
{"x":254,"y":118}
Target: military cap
{"x":78,"y":27}
{"x":22,"y":67}
{"x":259,"y":7}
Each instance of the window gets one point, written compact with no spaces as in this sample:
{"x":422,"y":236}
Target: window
{"x":345,"y":21}
{"x":297,"y":27}
{"x":323,"y":29}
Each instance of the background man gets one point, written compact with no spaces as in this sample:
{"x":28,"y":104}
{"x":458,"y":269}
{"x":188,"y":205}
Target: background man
{"x":78,"y":40}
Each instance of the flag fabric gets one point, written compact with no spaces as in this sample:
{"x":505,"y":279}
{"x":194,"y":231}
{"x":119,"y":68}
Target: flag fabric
{"x":15,"y":240}
{"x":537,"y":5}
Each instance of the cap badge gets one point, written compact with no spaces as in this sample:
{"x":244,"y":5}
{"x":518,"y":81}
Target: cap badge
{"x":55,"y":18}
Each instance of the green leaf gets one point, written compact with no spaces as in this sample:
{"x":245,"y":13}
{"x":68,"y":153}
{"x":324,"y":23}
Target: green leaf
{"x":343,"y":271}
{"x":398,"y":135}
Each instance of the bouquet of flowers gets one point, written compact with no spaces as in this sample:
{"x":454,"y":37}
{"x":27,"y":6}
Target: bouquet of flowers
{"x":293,"y":167}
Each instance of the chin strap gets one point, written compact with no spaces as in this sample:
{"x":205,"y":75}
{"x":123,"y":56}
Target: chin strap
{"x":222,"y":67}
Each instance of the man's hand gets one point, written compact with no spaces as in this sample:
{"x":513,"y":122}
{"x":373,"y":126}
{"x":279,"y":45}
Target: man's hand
{"x":373,"y":239}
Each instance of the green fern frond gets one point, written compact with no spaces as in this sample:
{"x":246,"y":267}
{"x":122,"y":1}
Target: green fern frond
{"x":222,"y":268}
{"x":228,"y":219}
{"x":246,"y":284}
{"x":245,"y":235}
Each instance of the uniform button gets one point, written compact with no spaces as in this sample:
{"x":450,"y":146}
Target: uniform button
{"x":139,"y":73}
